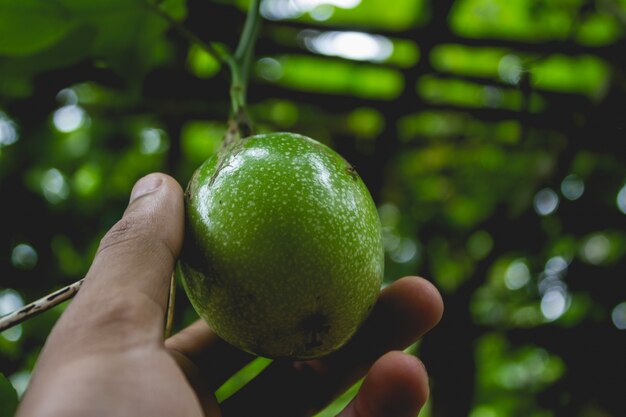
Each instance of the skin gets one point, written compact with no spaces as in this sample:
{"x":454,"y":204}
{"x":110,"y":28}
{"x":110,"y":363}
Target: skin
{"x":282,"y":213}
{"x":107,"y":357}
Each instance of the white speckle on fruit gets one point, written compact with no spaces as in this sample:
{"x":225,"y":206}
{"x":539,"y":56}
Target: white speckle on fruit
{"x":287,"y":224}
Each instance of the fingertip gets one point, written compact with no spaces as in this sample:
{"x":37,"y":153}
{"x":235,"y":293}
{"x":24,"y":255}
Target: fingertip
{"x":420,"y":298}
{"x":428,"y":295}
{"x":396,"y":386}
{"x":170,"y":183}
{"x":157,"y":203}
{"x":145,"y":185}
{"x":153,"y":182}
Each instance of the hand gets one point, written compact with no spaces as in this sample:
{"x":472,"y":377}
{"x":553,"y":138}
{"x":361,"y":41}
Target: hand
{"x":106,"y":356}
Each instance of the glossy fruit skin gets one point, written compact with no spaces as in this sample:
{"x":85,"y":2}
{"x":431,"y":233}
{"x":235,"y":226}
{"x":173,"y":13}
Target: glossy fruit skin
{"x":283,"y":254}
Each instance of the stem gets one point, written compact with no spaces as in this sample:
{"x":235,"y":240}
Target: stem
{"x":250,"y":33}
{"x":187,"y":34}
{"x":239,"y":63}
{"x":39,"y":306}
{"x":169,"y":316}
{"x":240,"y":66}
{"x":54,"y":299}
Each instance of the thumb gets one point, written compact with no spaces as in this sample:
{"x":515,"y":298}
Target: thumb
{"x":126,"y":288}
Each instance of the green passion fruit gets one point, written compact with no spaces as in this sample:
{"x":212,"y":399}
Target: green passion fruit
{"x":283,"y":254}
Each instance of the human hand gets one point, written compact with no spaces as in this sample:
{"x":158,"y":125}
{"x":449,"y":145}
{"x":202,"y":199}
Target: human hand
{"x":107,"y":355}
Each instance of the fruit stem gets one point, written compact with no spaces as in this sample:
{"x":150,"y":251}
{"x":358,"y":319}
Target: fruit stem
{"x":239,"y":65}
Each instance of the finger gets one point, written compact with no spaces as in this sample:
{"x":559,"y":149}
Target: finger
{"x":214,"y":360}
{"x":405,"y":311}
{"x":395,"y":386}
{"x":125,"y":292}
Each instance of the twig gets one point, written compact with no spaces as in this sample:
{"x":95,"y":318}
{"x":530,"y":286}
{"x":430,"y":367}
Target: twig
{"x":171,"y":301}
{"x":239,"y":65}
{"x":186,"y":33}
{"x":39,"y":306}
{"x":54,"y":299}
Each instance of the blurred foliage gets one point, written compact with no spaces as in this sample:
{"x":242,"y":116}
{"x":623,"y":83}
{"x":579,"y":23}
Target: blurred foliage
{"x":8,"y":397}
{"x":488,"y":131}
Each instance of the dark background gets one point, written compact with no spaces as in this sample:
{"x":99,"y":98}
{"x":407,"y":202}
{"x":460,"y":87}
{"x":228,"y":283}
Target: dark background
{"x":489,"y":132}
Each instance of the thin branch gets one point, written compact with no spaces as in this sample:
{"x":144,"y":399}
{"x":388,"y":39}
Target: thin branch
{"x":171,"y":302}
{"x":187,"y":34}
{"x":39,"y":306}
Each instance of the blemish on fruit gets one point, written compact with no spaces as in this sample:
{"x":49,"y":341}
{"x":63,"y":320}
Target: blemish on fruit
{"x":315,"y":326}
{"x":352,"y":171}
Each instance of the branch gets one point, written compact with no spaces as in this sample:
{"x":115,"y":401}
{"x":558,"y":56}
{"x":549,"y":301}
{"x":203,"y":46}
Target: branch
{"x":186,"y":33}
{"x":39,"y":306}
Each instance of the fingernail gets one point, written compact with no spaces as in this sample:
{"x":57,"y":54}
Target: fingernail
{"x":145,"y":185}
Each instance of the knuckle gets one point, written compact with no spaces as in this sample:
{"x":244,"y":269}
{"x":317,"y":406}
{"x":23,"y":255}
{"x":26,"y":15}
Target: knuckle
{"x":121,"y":314}
{"x":128,"y":231}
{"x":115,"y":321}
{"x":120,"y":308}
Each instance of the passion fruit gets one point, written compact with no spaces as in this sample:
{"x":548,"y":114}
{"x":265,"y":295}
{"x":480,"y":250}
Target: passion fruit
{"x":283,"y":254}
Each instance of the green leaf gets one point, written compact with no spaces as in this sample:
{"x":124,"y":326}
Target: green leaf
{"x":129,"y":36}
{"x":38,"y":35}
{"x":28,"y":26}
{"x":8,"y":397}
{"x":16,"y":72}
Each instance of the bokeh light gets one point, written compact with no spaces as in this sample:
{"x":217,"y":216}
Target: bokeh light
{"x":8,"y":131}
{"x":54,"y":186}
{"x":69,"y":118}
{"x":572,"y":187}
{"x":405,"y":251}
{"x":618,"y":315}
{"x":269,"y":68}
{"x":596,"y":249}
{"x":510,"y":69}
{"x":556,"y":265}
{"x":152,"y":141}
{"x":358,"y":46}
{"x":621,"y":199}
{"x":67,"y":97}
{"x":546,"y":202}
{"x":11,"y":300}
{"x":517,"y":275}
{"x":290,"y":9}
{"x":554,"y":303}
{"x":24,"y":256}
{"x":20,"y":381}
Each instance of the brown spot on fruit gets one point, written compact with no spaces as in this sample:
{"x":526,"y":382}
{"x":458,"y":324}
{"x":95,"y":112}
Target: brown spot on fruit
{"x":315,"y":327}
